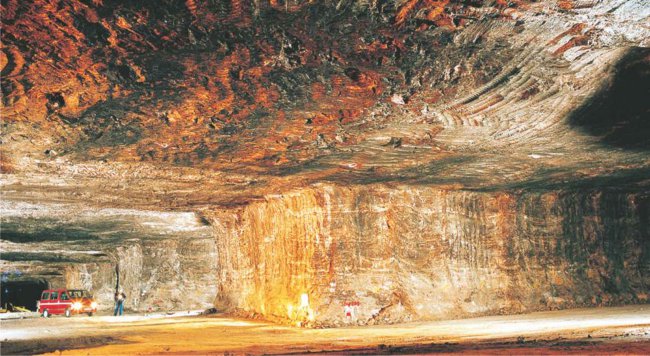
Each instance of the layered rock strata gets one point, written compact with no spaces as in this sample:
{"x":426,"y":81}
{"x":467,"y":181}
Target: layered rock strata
{"x":426,"y":91}
{"x":393,"y":254}
{"x":381,"y":253}
{"x":391,"y":160}
{"x":161,"y":260}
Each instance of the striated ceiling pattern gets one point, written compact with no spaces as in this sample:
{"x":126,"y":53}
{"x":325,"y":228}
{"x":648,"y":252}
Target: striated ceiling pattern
{"x":172,"y":103}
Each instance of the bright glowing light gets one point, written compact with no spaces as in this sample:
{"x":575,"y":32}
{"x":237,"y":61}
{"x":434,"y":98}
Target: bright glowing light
{"x":76,"y":305}
{"x":304,"y":300}
{"x":93,"y":305}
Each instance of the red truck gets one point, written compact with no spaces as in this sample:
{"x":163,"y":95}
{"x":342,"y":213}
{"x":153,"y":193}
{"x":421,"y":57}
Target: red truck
{"x":66,"y":302}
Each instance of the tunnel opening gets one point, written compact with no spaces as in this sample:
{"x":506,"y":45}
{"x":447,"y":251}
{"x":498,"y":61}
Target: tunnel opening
{"x":617,"y":114}
{"x":22,"y":293}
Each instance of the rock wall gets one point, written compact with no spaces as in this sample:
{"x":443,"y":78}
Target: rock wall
{"x":157,"y":106}
{"x":164,"y":260}
{"x":165,"y":274}
{"x":391,"y":254}
{"x":158,"y":274}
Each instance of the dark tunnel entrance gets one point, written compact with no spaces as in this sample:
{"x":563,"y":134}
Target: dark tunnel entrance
{"x":22,"y":293}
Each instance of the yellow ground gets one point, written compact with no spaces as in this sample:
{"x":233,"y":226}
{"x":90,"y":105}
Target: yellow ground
{"x":609,"y":330}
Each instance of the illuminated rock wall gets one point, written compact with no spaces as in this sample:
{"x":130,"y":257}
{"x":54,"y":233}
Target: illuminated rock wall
{"x":413,"y":253}
{"x":162,"y":260}
{"x":208,"y":105}
{"x":155,"y":275}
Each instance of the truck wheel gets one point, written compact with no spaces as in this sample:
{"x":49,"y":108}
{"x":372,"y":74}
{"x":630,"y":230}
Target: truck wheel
{"x":67,"y":313}
{"x":90,"y":314}
{"x":46,"y":313}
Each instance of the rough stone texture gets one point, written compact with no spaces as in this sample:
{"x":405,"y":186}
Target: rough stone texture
{"x":412,"y":253}
{"x":165,"y":261}
{"x":205,"y":96}
{"x":454,"y":143}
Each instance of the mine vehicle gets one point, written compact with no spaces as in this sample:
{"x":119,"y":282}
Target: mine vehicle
{"x":66,"y":302}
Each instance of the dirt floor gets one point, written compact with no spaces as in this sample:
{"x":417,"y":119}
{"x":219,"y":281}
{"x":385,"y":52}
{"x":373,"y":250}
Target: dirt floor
{"x":616,"y":330}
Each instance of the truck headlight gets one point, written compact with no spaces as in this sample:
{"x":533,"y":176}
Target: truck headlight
{"x":93,"y":305}
{"x":76,"y":305}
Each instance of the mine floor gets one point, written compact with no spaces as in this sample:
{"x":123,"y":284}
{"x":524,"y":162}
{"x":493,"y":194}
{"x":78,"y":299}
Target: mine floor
{"x":613,"y":330}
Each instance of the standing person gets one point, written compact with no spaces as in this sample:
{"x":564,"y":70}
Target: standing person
{"x":123,"y":297}
{"x":119,"y":303}
{"x":116,"y":298}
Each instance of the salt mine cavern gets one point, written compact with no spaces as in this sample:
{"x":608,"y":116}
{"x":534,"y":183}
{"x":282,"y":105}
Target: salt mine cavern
{"x":336,"y":177}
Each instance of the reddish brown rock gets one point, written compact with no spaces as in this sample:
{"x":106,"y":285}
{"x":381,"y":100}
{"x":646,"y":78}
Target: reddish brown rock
{"x":395,"y":160}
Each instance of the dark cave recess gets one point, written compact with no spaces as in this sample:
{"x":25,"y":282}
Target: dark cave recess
{"x":619,"y":113}
{"x":22,"y":293}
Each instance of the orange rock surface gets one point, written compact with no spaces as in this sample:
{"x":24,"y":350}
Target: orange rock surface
{"x":415,"y":159}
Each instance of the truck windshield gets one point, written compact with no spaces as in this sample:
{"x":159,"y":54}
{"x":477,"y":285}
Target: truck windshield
{"x":79,"y":294}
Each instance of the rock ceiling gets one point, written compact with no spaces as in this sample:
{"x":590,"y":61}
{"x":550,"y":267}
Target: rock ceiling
{"x":242,"y":154}
{"x":172,"y":104}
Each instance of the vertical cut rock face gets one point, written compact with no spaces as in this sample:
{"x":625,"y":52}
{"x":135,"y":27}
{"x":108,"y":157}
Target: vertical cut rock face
{"x":157,"y":275}
{"x":161,"y":260}
{"x":416,"y":253}
{"x":357,"y":161}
